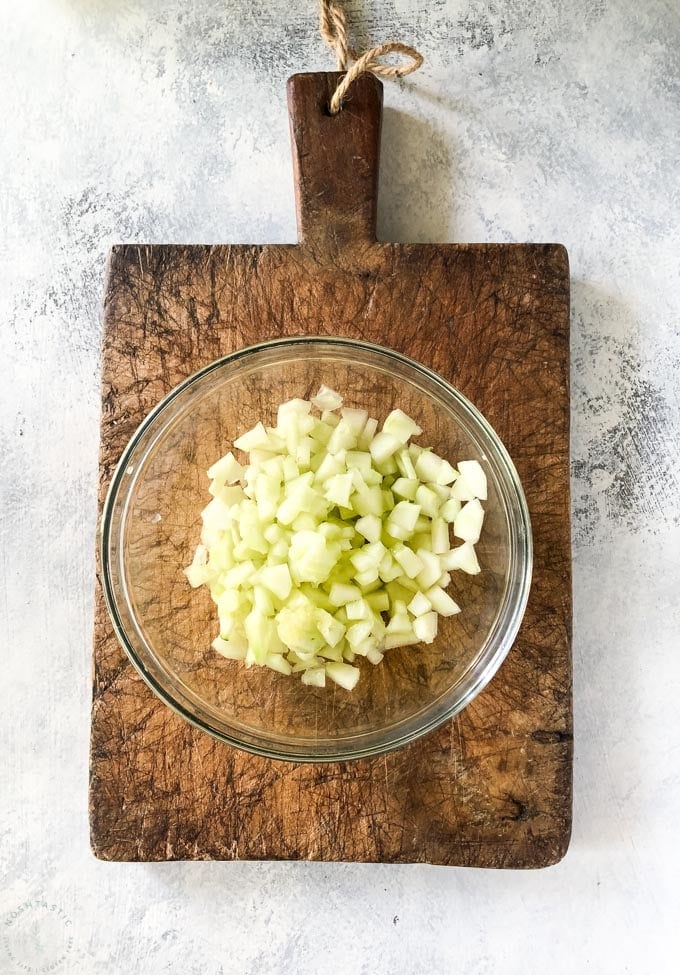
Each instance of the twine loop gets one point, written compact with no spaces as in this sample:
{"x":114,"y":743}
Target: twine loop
{"x":334,"y":32}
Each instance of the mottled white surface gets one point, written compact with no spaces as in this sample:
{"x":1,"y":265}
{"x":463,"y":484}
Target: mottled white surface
{"x":163,"y":120}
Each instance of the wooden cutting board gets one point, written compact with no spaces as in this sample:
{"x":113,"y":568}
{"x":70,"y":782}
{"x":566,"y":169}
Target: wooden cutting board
{"x":491,"y":788}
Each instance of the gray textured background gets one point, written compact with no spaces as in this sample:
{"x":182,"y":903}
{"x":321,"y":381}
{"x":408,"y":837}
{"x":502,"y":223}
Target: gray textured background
{"x":166,"y":121}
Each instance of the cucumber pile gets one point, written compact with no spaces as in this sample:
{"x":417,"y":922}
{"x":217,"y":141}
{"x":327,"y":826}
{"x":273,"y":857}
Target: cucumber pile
{"x":331,"y":541}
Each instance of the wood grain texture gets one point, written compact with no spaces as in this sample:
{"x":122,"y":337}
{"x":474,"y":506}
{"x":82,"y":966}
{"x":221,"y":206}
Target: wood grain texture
{"x":490,"y":788}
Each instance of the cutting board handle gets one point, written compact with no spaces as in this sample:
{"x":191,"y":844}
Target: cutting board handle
{"x":335,"y":158}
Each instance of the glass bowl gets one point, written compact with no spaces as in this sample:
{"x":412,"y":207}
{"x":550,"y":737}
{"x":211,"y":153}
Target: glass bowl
{"x":151,"y":526}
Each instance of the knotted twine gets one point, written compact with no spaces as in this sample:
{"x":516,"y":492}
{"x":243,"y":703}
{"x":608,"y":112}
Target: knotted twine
{"x":334,"y":33}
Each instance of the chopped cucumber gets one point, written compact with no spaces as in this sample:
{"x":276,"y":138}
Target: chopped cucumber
{"x":330,"y":542}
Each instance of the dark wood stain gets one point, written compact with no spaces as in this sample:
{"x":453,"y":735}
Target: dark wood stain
{"x":493,"y":787}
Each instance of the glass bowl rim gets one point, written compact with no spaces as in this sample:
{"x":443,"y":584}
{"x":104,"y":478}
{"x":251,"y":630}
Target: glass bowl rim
{"x":426,"y":719}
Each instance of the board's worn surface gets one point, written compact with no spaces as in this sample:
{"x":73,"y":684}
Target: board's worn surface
{"x":491,"y":788}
